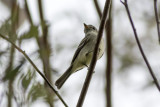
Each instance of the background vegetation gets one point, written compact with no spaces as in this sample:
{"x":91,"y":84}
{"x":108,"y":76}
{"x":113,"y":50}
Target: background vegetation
{"x":49,"y":33}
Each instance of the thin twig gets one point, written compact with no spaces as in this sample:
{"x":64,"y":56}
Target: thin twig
{"x":157,"y":19}
{"x":139,"y":45}
{"x":94,"y":58}
{"x":31,"y":62}
{"x":98,"y":8}
{"x":40,"y":10}
{"x":108,"y":32}
{"x":43,"y":24}
{"x":28,"y":13}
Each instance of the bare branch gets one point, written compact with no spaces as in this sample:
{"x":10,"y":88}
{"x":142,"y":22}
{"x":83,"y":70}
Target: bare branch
{"x":122,"y":2}
{"x":40,"y":10}
{"x":31,"y":62}
{"x":94,"y":58}
{"x":28,"y":13}
{"x":45,"y":50}
{"x":108,"y":34}
{"x":139,"y":45}
{"x":109,"y":59}
{"x":43,"y":24}
{"x":157,"y":19}
{"x":98,"y":8}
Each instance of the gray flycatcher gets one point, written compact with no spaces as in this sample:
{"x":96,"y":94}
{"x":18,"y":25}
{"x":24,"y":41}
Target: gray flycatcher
{"x":83,"y":55}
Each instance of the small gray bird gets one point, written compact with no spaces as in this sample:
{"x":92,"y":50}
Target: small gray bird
{"x":83,"y":55}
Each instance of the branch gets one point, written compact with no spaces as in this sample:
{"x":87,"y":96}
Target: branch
{"x":40,"y":10}
{"x":108,"y":31}
{"x":28,"y":13}
{"x":43,"y":24}
{"x":94,"y":57}
{"x":45,"y":50}
{"x":109,"y":59}
{"x":139,"y":45}
{"x":98,"y":8}
{"x":157,"y":19}
{"x":31,"y":62}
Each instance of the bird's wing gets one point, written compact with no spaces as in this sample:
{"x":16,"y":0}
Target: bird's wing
{"x":81,"y":45}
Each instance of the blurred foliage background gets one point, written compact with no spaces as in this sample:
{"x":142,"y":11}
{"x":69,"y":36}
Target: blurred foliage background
{"x":50,"y":31}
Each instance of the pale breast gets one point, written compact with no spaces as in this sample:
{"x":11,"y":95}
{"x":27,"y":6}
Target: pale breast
{"x":101,"y":49}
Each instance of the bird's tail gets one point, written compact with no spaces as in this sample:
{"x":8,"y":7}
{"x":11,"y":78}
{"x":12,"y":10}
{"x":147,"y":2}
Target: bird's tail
{"x":63,"y":78}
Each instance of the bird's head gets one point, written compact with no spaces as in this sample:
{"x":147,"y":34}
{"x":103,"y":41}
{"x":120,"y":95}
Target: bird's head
{"x":89,"y":28}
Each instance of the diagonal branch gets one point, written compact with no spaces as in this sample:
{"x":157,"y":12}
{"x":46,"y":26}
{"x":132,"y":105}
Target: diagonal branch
{"x":94,"y":58}
{"x":157,"y":19}
{"x":31,"y":62}
{"x":139,"y":45}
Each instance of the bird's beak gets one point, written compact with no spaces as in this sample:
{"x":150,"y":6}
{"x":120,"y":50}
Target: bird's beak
{"x":85,"y":26}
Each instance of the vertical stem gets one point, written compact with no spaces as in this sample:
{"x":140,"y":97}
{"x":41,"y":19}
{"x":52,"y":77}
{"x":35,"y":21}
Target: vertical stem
{"x":12,"y":35}
{"x":109,"y":59}
{"x":108,"y":34}
{"x":43,"y":43}
{"x":10,"y":94}
{"x":45,"y":51}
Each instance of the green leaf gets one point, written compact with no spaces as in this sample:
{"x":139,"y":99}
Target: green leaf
{"x":37,"y":91}
{"x":12,"y":73}
{"x":26,"y":79}
{"x":5,"y":27}
{"x":33,"y":32}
